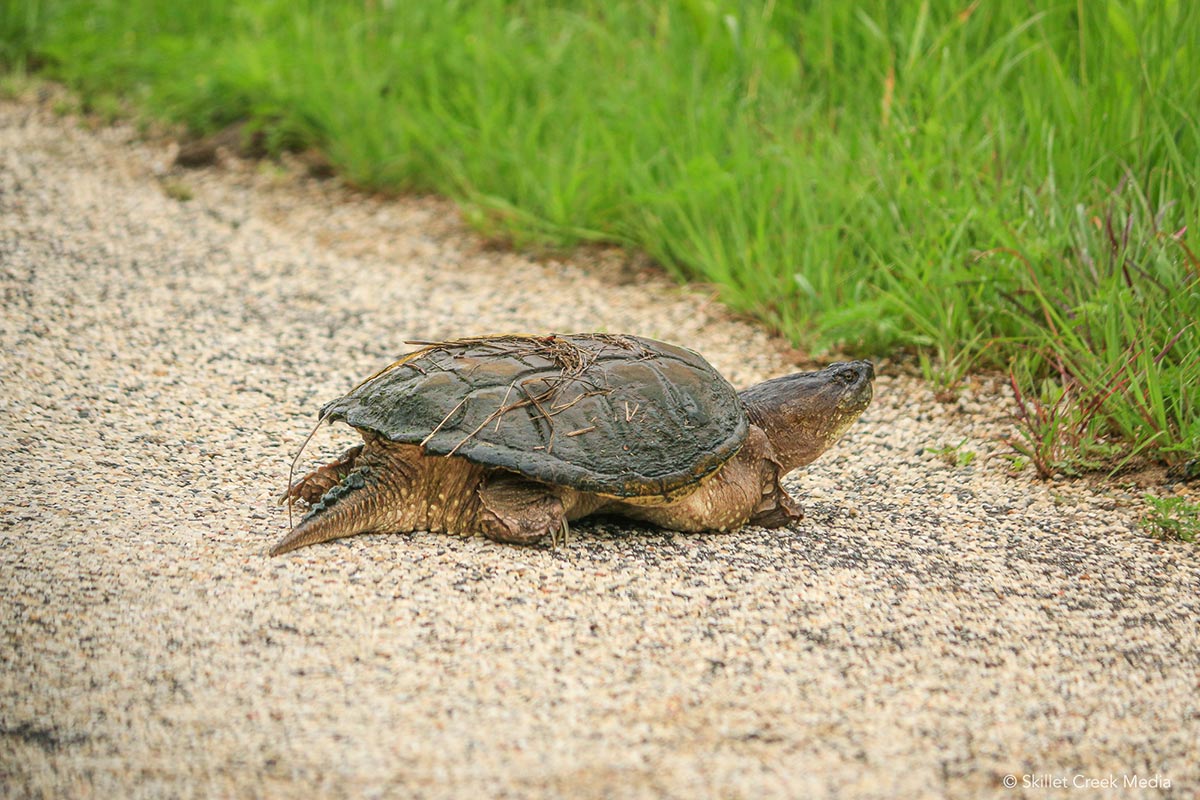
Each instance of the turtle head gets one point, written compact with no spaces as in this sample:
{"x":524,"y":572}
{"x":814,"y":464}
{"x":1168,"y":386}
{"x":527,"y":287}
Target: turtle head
{"x":803,"y":414}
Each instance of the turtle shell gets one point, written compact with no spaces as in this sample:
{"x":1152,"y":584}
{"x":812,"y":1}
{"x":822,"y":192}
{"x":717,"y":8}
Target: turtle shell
{"x":615,"y":415}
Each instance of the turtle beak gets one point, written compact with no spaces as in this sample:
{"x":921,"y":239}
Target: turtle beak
{"x":858,"y":381}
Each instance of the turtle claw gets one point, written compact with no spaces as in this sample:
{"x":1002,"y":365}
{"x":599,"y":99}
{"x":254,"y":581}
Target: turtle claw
{"x":562,"y":535}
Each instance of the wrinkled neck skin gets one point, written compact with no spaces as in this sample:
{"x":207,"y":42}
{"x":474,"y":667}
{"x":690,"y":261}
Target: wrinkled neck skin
{"x":803,"y":414}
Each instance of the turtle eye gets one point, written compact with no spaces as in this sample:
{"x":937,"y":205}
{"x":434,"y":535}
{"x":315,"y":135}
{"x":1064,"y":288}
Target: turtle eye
{"x":854,"y":372}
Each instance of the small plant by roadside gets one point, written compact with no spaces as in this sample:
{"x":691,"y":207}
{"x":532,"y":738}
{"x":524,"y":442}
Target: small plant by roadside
{"x":1172,"y":518}
{"x":955,"y":455}
{"x":177,"y":190}
{"x":1058,"y":428}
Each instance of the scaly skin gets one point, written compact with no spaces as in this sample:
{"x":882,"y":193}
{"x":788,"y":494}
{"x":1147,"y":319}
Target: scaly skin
{"x":391,"y":488}
{"x":314,"y":485}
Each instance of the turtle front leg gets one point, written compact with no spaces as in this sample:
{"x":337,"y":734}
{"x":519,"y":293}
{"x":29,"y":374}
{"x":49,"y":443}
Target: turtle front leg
{"x":315,"y":484}
{"x":777,"y":508}
{"x":519,"y":511}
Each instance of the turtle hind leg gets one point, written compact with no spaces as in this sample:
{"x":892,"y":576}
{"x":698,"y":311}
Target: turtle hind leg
{"x":313,"y":486}
{"x":519,"y":511}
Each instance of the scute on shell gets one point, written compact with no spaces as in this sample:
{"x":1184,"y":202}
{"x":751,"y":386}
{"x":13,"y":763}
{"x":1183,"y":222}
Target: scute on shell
{"x":617,"y":415}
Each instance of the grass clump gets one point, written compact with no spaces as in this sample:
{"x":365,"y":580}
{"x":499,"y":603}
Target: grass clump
{"x":1172,"y":518}
{"x":177,"y":190}
{"x":992,"y":185}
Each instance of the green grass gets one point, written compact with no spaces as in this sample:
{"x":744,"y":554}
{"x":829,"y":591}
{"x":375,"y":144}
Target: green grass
{"x":988,"y":185}
{"x":1172,"y":518}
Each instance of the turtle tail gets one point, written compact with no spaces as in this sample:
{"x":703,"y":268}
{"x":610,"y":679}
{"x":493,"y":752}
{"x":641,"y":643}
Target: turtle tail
{"x":348,"y":508}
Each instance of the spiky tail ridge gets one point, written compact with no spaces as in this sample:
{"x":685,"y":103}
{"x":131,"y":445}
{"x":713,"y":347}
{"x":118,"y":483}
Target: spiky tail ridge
{"x":346,"y":509}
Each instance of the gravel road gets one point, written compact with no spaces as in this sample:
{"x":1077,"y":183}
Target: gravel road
{"x":929,"y":629}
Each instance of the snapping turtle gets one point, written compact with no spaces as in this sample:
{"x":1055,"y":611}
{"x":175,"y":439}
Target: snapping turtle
{"x":513,"y":436}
